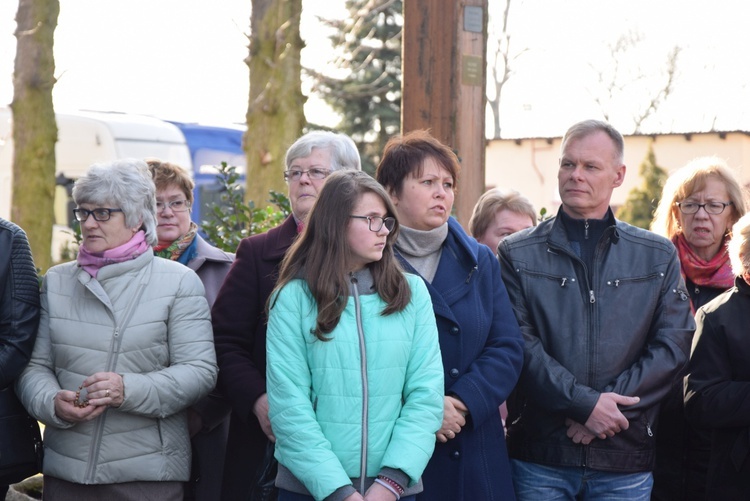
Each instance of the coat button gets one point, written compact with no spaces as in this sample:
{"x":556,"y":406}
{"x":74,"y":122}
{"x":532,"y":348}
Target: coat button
{"x":455,"y":455}
{"x":454,"y":330}
{"x":454,"y":373}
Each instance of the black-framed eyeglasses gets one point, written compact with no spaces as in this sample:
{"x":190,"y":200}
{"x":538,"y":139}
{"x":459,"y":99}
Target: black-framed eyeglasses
{"x":100,"y":214}
{"x":175,"y":205}
{"x":314,"y":173}
{"x":376,"y":223}
{"x":714,"y":208}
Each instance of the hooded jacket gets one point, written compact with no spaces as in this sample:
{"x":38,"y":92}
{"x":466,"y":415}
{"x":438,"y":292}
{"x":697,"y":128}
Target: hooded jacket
{"x":368,"y":399}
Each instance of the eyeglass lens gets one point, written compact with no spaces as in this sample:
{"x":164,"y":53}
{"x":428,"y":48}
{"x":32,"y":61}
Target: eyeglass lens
{"x":100,"y":215}
{"x":314,"y":173}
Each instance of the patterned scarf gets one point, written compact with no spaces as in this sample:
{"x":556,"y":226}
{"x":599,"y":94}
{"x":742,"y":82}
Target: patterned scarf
{"x":91,"y":262}
{"x":182,"y":249}
{"x":716,"y":273}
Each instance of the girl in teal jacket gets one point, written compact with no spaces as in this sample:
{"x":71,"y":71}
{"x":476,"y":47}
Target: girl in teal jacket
{"x":354,"y":368}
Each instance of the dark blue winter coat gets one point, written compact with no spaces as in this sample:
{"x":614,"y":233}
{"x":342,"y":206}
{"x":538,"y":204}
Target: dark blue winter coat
{"x":482,"y":351}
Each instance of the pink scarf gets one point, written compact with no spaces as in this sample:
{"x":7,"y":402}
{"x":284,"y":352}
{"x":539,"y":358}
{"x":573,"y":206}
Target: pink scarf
{"x":91,"y":262}
{"x":716,"y":273}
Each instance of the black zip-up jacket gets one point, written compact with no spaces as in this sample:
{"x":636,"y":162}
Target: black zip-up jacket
{"x":717,"y":392}
{"x":19,"y":302}
{"x":624,"y":326}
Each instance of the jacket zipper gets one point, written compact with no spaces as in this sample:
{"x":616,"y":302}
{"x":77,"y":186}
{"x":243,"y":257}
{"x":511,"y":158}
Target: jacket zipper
{"x":592,"y":300}
{"x":114,"y":347}
{"x":365,"y":395}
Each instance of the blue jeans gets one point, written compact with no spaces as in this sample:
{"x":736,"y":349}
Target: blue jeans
{"x":536,"y":482}
{"x":293,"y":496}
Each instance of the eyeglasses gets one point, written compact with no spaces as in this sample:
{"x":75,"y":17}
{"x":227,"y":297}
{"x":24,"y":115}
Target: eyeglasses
{"x":175,"y":205}
{"x":714,"y":208}
{"x":376,"y":223}
{"x":100,"y":215}
{"x":314,"y":173}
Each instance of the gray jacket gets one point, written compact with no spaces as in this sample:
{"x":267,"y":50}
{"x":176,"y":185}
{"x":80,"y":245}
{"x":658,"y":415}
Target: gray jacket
{"x":212,"y":265}
{"x":164,"y":353}
{"x":623,"y":327}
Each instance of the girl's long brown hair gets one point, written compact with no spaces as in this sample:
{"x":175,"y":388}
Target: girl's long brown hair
{"x":321,"y":254}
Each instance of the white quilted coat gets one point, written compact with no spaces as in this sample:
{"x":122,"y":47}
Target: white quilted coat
{"x":165,"y":354}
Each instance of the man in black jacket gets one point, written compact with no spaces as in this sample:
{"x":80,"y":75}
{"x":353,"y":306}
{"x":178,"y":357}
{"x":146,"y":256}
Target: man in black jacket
{"x":607,"y":328}
{"x":19,"y":310}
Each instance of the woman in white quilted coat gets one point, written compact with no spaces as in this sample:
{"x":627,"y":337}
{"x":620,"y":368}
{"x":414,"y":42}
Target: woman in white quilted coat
{"x":124,"y":347}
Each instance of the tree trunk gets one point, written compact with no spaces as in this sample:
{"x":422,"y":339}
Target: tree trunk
{"x":275,"y":114}
{"x":34,"y":126}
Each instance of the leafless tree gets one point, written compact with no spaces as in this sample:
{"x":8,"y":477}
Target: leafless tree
{"x":34,"y":126}
{"x":624,"y":79}
{"x":500,"y":59}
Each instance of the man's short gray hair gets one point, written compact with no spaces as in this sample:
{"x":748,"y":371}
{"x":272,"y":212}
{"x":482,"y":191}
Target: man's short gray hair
{"x":588,"y":127}
{"x":344,"y":154}
{"x":121,"y":184}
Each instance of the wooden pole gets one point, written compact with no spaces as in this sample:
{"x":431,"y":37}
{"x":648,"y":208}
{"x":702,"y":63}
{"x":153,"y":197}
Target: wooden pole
{"x":444,"y":76}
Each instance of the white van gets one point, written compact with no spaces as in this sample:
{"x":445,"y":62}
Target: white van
{"x":85,"y":138}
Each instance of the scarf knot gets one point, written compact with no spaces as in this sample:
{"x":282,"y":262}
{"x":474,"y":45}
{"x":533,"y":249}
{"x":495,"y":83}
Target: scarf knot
{"x":181,"y":250}
{"x":716,"y":272}
{"x":92,"y":262}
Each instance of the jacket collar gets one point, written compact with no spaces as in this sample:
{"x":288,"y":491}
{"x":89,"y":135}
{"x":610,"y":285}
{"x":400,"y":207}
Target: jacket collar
{"x":279,"y":239}
{"x":207,"y":252}
{"x":456,"y":271}
{"x":558,"y":237}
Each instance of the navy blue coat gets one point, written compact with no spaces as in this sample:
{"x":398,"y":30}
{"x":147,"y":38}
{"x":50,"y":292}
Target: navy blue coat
{"x":482,"y":350}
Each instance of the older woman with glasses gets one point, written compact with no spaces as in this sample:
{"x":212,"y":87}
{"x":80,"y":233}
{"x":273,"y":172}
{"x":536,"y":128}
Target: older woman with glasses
{"x":239,"y":314}
{"x":699,"y":204}
{"x":178,"y":235}
{"x":124,"y":347}
{"x":178,"y":240}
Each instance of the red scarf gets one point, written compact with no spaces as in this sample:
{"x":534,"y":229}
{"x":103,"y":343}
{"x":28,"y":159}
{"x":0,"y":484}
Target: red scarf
{"x":716,"y":273}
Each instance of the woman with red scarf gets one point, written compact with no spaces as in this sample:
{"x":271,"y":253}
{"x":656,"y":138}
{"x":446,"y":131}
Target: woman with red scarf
{"x":698,"y":207}
{"x":178,"y":240}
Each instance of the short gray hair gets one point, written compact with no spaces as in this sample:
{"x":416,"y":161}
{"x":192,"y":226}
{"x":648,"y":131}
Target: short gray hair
{"x":121,"y":184}
{"x":739,"y":246}
{"x":344,"y":154}
{"x":588,"y":127}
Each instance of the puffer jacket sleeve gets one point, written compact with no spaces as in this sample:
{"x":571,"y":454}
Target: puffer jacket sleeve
{"x":38,"y":385}
{"x":413,"y":438}
{"x":192,"y":372}
{"x":19,"y":309}
{"x":300,"y":443}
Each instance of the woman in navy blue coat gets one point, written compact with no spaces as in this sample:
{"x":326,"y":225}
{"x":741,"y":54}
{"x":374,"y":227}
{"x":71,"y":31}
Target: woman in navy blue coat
{"x":480,"y":341}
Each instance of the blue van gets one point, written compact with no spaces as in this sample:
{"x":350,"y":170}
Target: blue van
{"x":210,"y":146}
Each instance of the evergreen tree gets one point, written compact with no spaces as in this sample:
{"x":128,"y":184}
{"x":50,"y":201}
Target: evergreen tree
{"x":366,"y":89}
{"x":639,"y":208}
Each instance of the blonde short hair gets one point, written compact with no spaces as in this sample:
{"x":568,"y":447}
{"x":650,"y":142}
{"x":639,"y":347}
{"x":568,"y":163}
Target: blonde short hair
{"x":687,"y":180}
{"x":493,"y":201}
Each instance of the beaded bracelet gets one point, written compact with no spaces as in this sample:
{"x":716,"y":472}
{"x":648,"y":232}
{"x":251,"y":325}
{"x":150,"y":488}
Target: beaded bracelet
{"x":387,"y":486}
{"x":78,"y":402}
{"x":393,"y":484}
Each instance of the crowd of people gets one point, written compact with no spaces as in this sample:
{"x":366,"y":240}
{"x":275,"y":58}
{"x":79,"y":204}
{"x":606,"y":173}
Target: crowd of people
{"x":369,"y":348}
